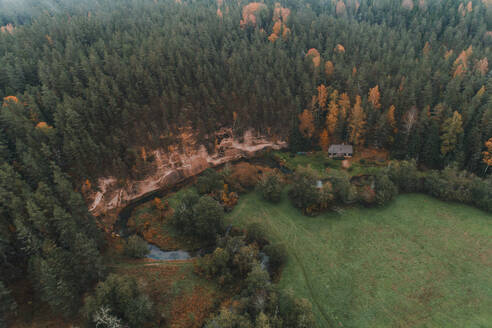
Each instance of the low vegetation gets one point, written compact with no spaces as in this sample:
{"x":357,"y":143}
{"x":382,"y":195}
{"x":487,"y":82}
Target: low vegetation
{"x":118,"y":300}
{"x":270,"y":187}
{"x":417,"y":260}
{"x":199,"y":217}
{"x":135,"y":247}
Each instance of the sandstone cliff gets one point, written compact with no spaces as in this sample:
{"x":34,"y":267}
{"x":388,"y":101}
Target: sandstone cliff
{"x":171,"y":167}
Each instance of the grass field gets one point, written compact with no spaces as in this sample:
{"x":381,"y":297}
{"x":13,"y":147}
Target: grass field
{"x":418,"y":262}
{"x":321,"y":162}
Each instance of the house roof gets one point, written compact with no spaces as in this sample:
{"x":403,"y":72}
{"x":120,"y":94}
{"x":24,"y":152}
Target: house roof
{"x":340,"y":149}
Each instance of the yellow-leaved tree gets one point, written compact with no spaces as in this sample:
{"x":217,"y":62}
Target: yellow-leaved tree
{"x":324,"y":140}
{"x":332,"y":118}
{"x":329,"y":68}
{"x":306,"y":123}
{"x":487,"y":154}
{"x":322,"y":96}
{"x":374,"y":96}
{"x":344,"y":105}
{"x":356,"y":123}
{"x":391,"y":118}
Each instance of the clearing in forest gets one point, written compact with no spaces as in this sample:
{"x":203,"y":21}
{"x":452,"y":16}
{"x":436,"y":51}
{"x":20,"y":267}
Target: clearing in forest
{"x":416,"y":262}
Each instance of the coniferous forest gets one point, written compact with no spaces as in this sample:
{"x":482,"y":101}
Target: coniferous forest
{"x":85,"y":84}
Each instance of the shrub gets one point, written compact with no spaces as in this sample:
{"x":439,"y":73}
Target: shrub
{"x":257,"y":281}
{"x":227,"y":318}
{"x":277,"y":255}
{"x":459,"y":186}
{"x":481,"y":191}
{"x":243,"y":177}
{"x":270,"y":187}
{"x":295,"y":312}
{"x":125,"y":301}
{"x":208,"y":218}
{"x":255,"y":234}
{"x":209,"y":181}
{"x":231,"y":261}
{"x":385,"y":189}
{"x":183,"y":218}
{"x":405,"y":176}
{"x":367,"y":195}
{"x":344,"y":191}
{"x":305,"y":193}
{"x":199,"y":217}
{"x":136,"y":247}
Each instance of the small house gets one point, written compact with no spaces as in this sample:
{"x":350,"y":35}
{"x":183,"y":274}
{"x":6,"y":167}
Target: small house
{"x":342,"y":150}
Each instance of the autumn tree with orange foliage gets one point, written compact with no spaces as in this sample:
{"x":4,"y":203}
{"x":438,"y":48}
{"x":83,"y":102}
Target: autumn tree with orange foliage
{"x":306,"y":123}
{"x":332,"y":118}
{"x":374,"y":97}
{"x":315,"y":56}
{"x":324,"y":140}
{"x":357,"y":123}
{"x":344,"y":105}
{"x":160,"y":206}
{"x":249,"y":13}
{"x":43,"y":126}
{"x":329,"y":68}
{"x":339,"y":49}
{"x":10,"y":99}
{"x":487,"y":154}
{"x":461,"y":63}
{"x":322,"y":96}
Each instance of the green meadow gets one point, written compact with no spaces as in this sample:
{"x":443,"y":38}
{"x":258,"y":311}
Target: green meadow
{"x":418,"y":262}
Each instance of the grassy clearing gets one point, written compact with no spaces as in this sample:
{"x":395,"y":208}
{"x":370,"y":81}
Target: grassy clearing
{"x":418,"y":262}
{"x":321,"y":162}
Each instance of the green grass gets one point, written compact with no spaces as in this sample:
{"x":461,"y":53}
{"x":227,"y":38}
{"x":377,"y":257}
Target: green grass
{"x":418,"y":262}
{"x":320,"y":161}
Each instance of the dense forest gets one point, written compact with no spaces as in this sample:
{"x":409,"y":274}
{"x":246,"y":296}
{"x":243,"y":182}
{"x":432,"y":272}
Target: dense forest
{"x":85,"y":84}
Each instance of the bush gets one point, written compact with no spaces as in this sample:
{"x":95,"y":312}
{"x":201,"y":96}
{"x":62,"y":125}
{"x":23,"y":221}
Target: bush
{"x":459,"y":186}
{"x":255,"y":234}
{"x":344,"y":190}
{"x":270,"y":187}
{"x":231,"y":261}
{"x":243,"y":177}
{"x":481,"y":191}
{"x":136,"y":247}
{"x":305,"y":193}
{"x":405,"y":176}
{"x":209,"y":181}
{"x":125,"y":301}
{"x":367,"y":195}
{"x":277,"y":255}
{"x":295,"y":312}
{"x":258,"y":281}
{"x":385,"y":189}
{"x":183,"y":218}
{"x":199,"y":217}
{"x":208,"y":218}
